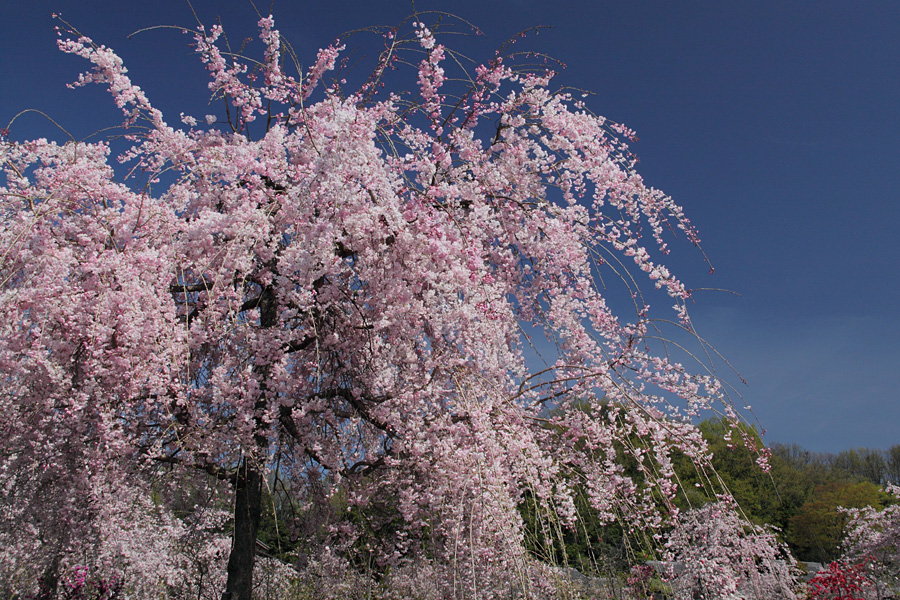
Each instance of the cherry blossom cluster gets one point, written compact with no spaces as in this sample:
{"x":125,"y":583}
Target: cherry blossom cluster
{"x":717,"y":554}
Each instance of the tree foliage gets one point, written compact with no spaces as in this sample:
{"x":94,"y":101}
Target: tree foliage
{"x":818,"y":528}
{"x":340,"y":290}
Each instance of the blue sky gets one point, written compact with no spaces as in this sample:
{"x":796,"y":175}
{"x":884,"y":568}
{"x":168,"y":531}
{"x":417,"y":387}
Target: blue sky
{"x":775,"y":123}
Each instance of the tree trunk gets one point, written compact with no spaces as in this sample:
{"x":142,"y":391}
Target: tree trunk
{"x":249,"y":479}
{"x":247,"y":511}
{"x":49,"y":580}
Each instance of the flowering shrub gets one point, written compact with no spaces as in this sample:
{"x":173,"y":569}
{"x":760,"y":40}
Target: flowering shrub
{"x":842,"y":581}
{"x":873,"y":540}
{"x":639,"y":583}
{"x":80,"y":584}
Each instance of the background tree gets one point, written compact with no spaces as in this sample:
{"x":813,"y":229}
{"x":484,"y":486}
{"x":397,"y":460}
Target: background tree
{"x":333,"y":287}
{"x":866,"y":464}
{"x":892,"y":460}
{"x":817,"y":530}
{"x":733,"y":470}
{"x":768,"y":497}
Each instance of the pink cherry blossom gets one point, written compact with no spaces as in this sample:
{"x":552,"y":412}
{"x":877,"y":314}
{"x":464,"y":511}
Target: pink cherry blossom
{"x":358,"y":291}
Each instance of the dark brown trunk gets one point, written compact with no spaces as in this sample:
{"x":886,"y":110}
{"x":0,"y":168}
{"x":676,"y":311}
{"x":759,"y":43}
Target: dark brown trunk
{"x":247,"y":511}
{"x":49,"y":580}
{"x":249,"y":480}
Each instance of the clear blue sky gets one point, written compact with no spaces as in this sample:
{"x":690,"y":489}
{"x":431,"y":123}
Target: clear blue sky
{"x":775,"y":123}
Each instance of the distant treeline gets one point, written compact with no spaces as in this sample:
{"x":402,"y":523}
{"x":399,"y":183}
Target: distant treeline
{"x":862,"y":464}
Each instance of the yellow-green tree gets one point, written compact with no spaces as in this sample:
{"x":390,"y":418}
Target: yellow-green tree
{"x":818,"y":528}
